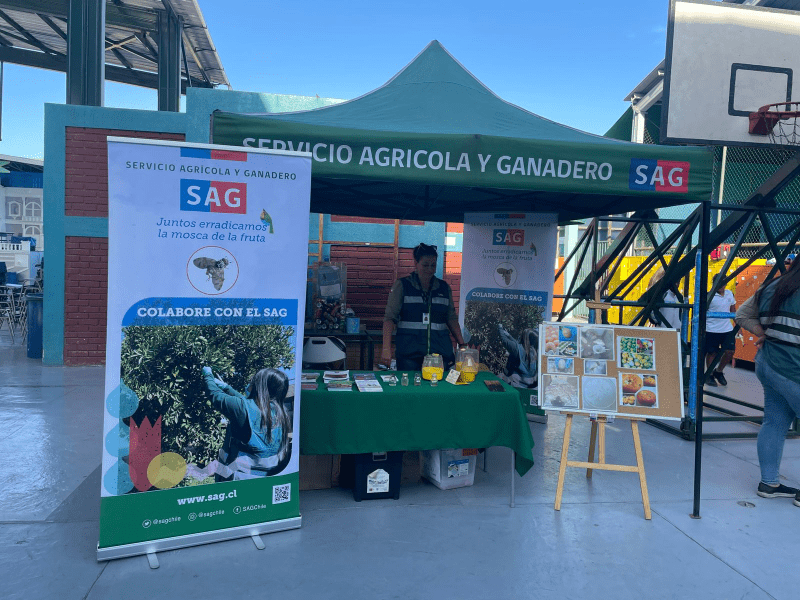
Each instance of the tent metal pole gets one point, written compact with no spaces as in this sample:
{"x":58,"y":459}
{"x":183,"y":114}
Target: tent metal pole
{"x":595,"y":294}
{"x":699,"y":334}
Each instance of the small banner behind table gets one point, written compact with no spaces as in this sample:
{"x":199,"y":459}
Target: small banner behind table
{"x":611,"y":370}
{"x":507,"y":278}
{"x":206,"y":284}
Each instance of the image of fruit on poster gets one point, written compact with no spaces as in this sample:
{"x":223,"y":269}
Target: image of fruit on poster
{"x":507,"y":292}
{"x":206,"y":274}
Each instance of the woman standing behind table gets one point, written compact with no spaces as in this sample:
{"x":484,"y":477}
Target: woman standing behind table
{"x":773,"y":315}
{"x":421,"y":305}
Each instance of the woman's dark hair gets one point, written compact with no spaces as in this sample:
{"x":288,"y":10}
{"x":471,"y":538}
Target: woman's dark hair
{"x":530,"y":341}
{"x":424,"y":250}
{"x":268,"y":389}
{"x":785,"y":286}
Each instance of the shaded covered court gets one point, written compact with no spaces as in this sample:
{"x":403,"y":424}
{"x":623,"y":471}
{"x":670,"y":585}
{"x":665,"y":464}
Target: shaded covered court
{"x":463,"y":543}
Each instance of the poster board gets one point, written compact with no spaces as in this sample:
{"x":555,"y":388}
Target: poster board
{"x":206,"y":288}
{"x":611,"y":370}
{"x":507,"y":291}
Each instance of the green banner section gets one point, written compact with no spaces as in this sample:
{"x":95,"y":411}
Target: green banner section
{"x":605,"y":167}
{"x":156,"y":515}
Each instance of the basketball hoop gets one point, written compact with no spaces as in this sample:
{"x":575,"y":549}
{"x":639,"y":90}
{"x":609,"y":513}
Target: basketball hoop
{"x":781,"y":122}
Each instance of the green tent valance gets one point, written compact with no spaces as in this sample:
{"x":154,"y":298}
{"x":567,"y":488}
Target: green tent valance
{"x":434,"y":143}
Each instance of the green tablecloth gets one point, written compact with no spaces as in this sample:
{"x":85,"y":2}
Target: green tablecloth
{"x":415,"y":418}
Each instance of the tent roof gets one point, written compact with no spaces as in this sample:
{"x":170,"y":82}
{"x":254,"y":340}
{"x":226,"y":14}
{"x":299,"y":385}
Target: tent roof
{"x":451,"y":146}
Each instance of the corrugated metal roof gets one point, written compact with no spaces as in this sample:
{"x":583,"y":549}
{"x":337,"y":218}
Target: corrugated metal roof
{"x":783,"y":4}
{"x":34,"y":32}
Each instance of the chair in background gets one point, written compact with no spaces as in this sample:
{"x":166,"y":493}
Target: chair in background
{"x":324,"y":353}
{"x":7,"y":310}
{"x":20,"y":312}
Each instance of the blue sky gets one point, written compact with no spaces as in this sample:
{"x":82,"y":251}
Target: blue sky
{"x":570,"y":62}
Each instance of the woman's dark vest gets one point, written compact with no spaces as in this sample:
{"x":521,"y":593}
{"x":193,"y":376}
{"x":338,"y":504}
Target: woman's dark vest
{"x":412,"y":334}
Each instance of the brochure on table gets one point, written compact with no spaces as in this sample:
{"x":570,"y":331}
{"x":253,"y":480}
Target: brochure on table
{"x":197,"y":305}
{"x":611,"y":370}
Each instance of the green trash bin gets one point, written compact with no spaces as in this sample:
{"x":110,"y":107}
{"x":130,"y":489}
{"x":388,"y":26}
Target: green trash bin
{"x":35,"y":325}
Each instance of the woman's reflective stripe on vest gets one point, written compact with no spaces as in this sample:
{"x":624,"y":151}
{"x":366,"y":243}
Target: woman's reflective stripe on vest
{"x":783,"y":328}
{"x":414,"y":337}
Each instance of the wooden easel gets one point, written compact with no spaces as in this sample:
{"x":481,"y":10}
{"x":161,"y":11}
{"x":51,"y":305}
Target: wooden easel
{"x":598,"y":436}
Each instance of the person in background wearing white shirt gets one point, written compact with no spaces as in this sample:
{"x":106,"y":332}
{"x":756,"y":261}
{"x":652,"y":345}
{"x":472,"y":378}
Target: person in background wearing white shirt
{"x":673,"y":316}
{"x":717,"y":331}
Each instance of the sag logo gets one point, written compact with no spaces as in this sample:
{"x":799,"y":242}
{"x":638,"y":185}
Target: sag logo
{"x":508,"y":237}
{"x":649,"y":174}
{"x":214,"y":196}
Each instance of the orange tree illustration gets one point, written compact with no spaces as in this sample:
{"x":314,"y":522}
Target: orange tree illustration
{"x":162,"y":365}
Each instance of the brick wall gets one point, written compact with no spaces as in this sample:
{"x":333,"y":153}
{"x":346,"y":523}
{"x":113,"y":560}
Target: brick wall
{"x":86,"y":168}
{"x":86,"y":258}
{"x":85,"y":298}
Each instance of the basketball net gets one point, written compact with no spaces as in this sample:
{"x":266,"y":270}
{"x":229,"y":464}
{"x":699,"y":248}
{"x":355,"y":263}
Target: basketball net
{"x":780,"y":122}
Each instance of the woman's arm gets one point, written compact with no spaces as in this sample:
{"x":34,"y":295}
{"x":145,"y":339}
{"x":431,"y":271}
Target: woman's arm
{"x":455,"y":329}
{"x":393,"y":307}
{"x":230,"y":405}
{"x":747,"y":318}
{"x":386,"y":346}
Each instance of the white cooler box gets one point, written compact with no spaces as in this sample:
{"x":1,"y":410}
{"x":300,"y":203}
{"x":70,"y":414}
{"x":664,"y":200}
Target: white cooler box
{"x":449,"y":468}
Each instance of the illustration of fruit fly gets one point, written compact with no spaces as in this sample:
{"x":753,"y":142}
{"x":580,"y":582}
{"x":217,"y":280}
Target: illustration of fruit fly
{"x":215,"y":269}
{"x":506,"y":273}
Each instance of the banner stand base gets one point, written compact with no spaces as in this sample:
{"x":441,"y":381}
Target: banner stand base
{"x":151,"y":547}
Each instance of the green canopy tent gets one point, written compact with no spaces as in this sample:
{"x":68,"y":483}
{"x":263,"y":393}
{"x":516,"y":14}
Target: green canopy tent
{"x":434,"y":143}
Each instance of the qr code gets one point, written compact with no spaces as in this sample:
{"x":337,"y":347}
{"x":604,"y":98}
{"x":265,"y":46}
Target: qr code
{"x":281,"y":493}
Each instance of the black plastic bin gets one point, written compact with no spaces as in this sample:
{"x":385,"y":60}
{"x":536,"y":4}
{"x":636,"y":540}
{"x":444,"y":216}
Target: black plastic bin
{"x":377,"y":475}
{"x":35,"y":325}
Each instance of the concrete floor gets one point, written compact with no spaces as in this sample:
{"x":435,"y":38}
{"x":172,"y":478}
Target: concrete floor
{"x":464,"y":543}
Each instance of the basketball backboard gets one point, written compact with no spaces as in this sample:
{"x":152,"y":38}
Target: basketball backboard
{"x":723,"y":62}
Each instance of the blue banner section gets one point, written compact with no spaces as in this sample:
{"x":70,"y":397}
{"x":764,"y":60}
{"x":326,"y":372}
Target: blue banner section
{"x":212,"y":311}
{"x":196,"y":152}
{"x":194,"y":195}
{"x":502,"y":296}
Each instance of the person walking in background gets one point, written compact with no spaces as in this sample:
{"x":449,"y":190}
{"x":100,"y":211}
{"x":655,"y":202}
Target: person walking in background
{"x":717,"y":331}
{"x":772,"y":314}
{"x":256,"y":438}
{"x":672,"y":316}
{"x":421,"y":305}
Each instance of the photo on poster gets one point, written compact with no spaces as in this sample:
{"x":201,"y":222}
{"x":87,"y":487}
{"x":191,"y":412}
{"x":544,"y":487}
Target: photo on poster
{"x":595,"y":367}
{"x":599,"y":393}
{"x":559,"y":391}
{"x":551,"y":339}
{"x":186,"y":385}
{"x":636,"y":353}
{"x":560,"y":365}
{"x":507,"y":336}
{"x":597,"y":343}
{"x":212,"y":270}
{"x":637,"y":389}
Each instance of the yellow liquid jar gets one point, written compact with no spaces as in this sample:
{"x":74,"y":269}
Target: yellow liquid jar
{"x":433,"y":364}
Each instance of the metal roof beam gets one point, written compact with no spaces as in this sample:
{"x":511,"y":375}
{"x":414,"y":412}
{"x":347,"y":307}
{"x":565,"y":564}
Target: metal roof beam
{"x":53,"y":25}
{"x":40,"y":60}
{"x":122,"y":17}
{"x":142,"y":36}
{"x":28,"y":37}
